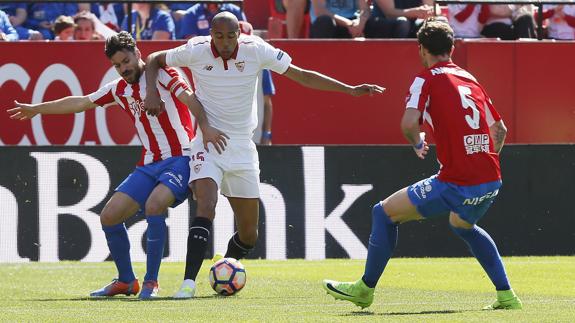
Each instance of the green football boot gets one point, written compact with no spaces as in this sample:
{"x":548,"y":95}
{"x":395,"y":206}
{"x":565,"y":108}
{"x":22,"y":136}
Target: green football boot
{"x":506,"y":300}
{"x":356,"y":292}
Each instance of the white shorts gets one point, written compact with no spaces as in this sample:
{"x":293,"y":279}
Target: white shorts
{"x":236,"y":171}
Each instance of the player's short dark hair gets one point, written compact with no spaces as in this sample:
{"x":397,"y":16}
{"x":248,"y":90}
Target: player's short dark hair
{"x":120,"y":41}
{"x":436,"y":36}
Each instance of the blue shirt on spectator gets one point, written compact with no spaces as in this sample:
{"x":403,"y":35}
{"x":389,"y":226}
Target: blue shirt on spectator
{"x":268,"y":83}
{"x":159,"y":20}
{"x":10,"y":9}
{"x":180,"y":6}
{"x":6,"y":27}
{"x":344,"y":8}
{"x":196,"y":21}
{"x":40,"y":12}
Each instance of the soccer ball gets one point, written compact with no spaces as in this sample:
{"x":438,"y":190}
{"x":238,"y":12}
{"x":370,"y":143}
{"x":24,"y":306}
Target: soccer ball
{"x":227,"y":276}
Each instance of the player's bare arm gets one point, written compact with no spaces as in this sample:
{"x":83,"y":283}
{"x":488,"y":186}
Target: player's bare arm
{"x":318,"y":81}
{"x":67,"y":105}
{"x":412,"y":132}
{"x":498,"y":132}
{"x":153,"y":103}
{"x":209,"y":133}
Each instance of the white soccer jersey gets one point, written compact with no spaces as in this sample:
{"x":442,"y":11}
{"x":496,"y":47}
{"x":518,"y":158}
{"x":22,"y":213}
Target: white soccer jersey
{"x":558,"y":27}
{"x":226,"y":88}
{"x":468,"y":28}
{"x":164,"y":136}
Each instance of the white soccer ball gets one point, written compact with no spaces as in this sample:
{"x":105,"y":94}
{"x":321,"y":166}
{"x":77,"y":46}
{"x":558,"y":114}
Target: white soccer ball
{"x":227,"y":276}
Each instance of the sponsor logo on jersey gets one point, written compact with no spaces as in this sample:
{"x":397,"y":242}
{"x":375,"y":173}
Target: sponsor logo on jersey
{"x":280,"y":55}
{"x":476,"y":143}
{"x":208,"y":67}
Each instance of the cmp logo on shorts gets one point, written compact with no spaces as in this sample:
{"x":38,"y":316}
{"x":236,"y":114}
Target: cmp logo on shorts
{"x":197,"y":168}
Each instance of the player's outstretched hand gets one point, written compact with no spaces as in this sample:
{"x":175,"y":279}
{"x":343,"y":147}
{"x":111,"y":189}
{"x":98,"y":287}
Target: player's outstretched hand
{"x":371,"y":89}
{"x":421,"y":148}
{"x":153,"y":104}
{"x":22,"y":111}
{"x":216,"y":137}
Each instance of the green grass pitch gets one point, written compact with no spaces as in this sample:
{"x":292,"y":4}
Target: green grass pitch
{"x":422,"y":290}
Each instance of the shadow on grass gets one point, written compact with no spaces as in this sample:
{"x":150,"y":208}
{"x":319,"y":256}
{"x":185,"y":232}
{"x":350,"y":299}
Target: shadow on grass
{"x":119,"y":299}
{"x":367,"y":313}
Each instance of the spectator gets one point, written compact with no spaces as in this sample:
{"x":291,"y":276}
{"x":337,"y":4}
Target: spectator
{"x":465,"y":20}
{"x":561,"y":24}
{"x":7,"y":31}
{"x":110,"y":14}
{"x":509,"y":22}
{"x":295,"y":10}
{"x":398,"y":18}
{"x":86,"y":27}
{"x":196,"y":20}
{"x":339,"y":18}
{"x":151,"y":22}
{"x":41,"y":16}
{"x":18,"y":14}
{"x":64,"y":28}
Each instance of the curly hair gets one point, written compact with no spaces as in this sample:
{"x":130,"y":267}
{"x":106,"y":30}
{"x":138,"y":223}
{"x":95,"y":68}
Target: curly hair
{"x":120,"y":41}
{"x":436,"y":36}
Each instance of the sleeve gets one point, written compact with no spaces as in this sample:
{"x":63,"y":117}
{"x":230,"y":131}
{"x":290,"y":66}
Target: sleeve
{"x":268,"y":83}
{"x":189,"y":26}
{"x":569,"y":15}
{"x":491,"y":115}
{"x":273,"y":58}
{"x":182,"y":55}
{"x":164,"y":22}
{"x":418,"y":95}
{"x":172,"y":81}
{"x":464,"y":14}
{"x":105,"y":95}
{"x":7,"y":27}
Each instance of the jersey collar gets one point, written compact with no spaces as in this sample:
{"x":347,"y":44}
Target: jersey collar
{"x":216,"y":54}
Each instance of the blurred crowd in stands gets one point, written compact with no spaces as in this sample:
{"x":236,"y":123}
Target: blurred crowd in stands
{"x":288,"y":19}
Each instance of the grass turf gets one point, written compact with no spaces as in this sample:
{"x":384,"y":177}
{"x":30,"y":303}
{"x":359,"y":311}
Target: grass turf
{"x":422,"y":289}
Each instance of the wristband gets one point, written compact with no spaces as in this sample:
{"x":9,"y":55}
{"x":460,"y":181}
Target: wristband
{"x":419,"y":145}
{"x":267,"y":135}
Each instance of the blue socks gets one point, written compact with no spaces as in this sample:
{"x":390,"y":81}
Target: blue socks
{"x":155,"y":241}
{"x":119,"y":245}
{"x":484,"y":249}
{"x":382,"y":242}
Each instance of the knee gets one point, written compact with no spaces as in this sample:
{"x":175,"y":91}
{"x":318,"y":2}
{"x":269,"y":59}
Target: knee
{"x":457,"y":223}
{"x":108,"y":218}
{"x":379,"y":211}
{"x":154,"y":207}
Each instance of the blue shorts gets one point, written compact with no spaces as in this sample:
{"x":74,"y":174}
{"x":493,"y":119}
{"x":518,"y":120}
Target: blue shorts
{"x":173,"y":172}
{"x":433,"y":198}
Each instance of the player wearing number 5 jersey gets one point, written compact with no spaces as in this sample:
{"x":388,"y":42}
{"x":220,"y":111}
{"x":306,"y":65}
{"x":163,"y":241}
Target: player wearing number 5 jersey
{"x":469,"y":134}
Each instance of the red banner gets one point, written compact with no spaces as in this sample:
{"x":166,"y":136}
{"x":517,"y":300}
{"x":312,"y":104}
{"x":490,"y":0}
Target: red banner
{"x":530,"y":83}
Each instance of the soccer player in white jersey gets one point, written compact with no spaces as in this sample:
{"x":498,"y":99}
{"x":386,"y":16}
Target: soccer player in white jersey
{"x":161,"y":178}
{"x":225,"y":66}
